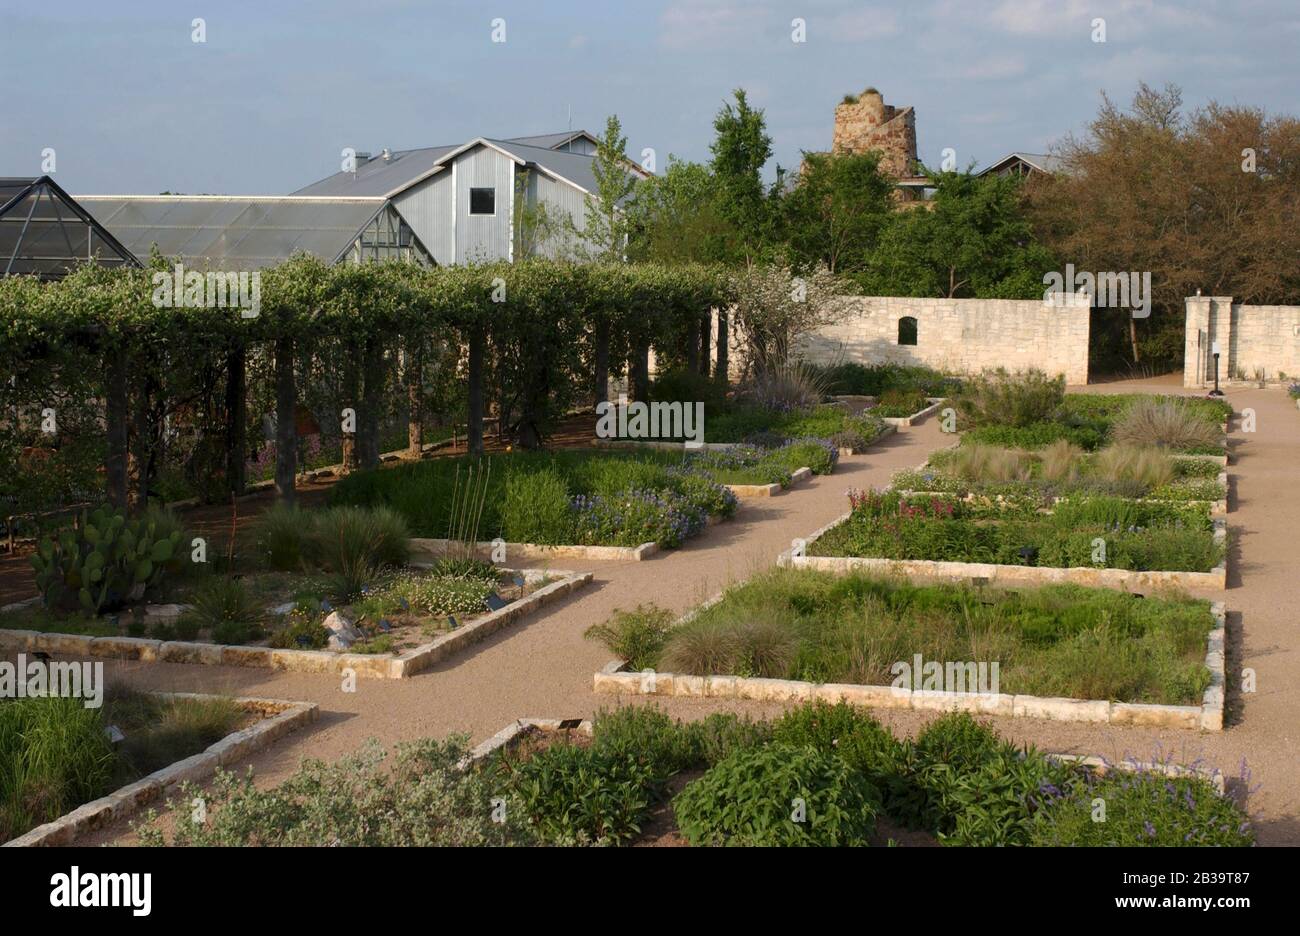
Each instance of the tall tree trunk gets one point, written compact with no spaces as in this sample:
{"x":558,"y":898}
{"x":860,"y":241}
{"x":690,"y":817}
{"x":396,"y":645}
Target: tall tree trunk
{"x":236,"y":418}
{"x":600,"y":379}
{"x":117,"y":406}
{"x":372,"y":401}
{"x":640,"y":370}
{"x":141,"y":463}
{"x":706,"y":329}
{"x":286,"y":428}
{"x":349,"y":426}
{"x":723,"y":365}
{"x":414,"y":398}
{"x":1133,"y":338}
{"x":474,"y":431}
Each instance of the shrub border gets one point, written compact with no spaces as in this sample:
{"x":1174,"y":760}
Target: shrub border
{"x":994,"y":573}
{"x":1208,"y":716}
{"x":284,"y":717}
{"x":376,"y":665}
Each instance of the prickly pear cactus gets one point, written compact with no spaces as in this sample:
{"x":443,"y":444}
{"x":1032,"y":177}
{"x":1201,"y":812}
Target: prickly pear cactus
{"x":100,"y":566}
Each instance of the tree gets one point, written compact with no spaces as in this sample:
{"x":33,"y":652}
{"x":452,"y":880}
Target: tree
{"x":605,"y":234}
{"x":836,"y":211}
{"x":1206,"y":201}
{"x":774,"y":308}
{"x":677,"y":218}
{"x":973,"y":241}
{"x":741,"y":148}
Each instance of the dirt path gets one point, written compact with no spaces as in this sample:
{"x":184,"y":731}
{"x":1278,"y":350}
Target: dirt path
{"x":544,"y":668}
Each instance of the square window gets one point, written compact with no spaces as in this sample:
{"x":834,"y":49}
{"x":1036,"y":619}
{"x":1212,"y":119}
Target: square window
{"x":482,"y":201}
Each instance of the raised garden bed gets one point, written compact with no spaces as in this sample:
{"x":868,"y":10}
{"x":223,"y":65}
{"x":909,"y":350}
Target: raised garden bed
{"x":1147,"y":545}
{"x":260,"y":722}
{"x":408,"y":621}
{"x":892,"y":415}
{"x":1049,"y":475}
{"x":1062,"y":652}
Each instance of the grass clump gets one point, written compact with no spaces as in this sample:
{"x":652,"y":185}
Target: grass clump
{"x":1168,"y":424}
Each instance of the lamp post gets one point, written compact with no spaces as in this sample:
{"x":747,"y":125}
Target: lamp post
{"x":1214,"y":349}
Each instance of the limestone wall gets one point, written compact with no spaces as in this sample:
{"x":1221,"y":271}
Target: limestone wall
{"x":962,"y":335}
{"x":1252,"y":339}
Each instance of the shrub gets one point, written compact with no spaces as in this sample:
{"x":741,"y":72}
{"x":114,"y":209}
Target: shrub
{"x":700,"y":648}
{"x":1168,"y":424}
{"x":636,"y":636}
{"x":847,"y":731}
{"x":582,"y":795}
{"x":644,"y":735}
{"x":778,"y":795}
{"x":355,"y":543}
{"x":1035,"y":435}
{"x":899,"y":403}
{"x":301,"y":632}
{"x":1000,"y":398}
{"x":426,"y":798}
{"x":224,"y":606}
{"x":1148,"y":467}
{"x":717,"y":736}
{"x":684,"y":386}
{"x":1144,"y":808}
{"x":282,"y":534}
{"x":54,"y":755}
{"x":785,"y":387}
{"x":535,"y":508}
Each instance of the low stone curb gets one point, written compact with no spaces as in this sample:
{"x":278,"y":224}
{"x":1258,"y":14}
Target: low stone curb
{"x":994,"y":574}
{"x":284,"y":717}
{"x":374,"y":665}
{"x":1130,"y":765}
{"x":532,"y":552}
{"x":769,"y":490}
{"x":510,"y":736}
{"x":906,"y":421}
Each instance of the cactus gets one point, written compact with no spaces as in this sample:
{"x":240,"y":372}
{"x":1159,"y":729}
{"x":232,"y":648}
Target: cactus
{"x":97,"y":567}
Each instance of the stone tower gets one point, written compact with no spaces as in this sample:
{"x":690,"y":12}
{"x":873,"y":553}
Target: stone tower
{"x":867,"y":123}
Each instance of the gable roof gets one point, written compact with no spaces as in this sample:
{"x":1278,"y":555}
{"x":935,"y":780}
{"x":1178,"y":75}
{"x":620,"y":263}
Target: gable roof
{"x":377,"y":176}
{"x":1039,"y":161}
{"x":236,"y":233}
{"x":44,"y":231}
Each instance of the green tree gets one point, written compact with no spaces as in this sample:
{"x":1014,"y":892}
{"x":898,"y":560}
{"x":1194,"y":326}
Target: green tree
{"x":835,"y":214}
{"x":972,"y":240}
{"x":676,"y":217}
{"x":741,"y":148}
{"x":605,"y":235}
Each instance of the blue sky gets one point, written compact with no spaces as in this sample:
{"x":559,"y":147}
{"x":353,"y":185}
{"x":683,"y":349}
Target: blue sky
{"x":131,"y":105}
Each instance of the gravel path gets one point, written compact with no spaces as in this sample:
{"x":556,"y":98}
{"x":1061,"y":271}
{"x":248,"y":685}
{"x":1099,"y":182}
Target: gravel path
{"x":545,"y":666}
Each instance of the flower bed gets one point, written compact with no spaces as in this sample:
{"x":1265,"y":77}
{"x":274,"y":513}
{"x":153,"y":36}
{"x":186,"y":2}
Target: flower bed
{"x":1087,"y":540}
{"x":1061,"y":470}
{"x":398,"y":625}
{"x":574,"y":497}
{"x":820,"y":775}
{"x":1061,"y":652}
{"x":168,"y":738}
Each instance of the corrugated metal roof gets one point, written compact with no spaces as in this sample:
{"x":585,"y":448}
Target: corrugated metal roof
{"x":378,"y":176}
{"x":233,"y":233}
{"x":550,"y":140}
{"x":1040,"y":161}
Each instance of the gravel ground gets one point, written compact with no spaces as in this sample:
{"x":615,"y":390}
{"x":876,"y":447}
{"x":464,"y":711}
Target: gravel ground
{"x":544,"y":667}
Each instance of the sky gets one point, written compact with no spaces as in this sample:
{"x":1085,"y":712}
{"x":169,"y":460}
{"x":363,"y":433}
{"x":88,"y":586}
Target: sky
{"x":131,"y":104}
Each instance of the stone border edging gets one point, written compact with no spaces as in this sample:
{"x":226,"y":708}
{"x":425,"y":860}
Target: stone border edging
{"x":285,"y":716}
{"x":769,"y":490}
{"x":534,"y":552}
{"x":908,"y":421}
{"x":511,"y":735}
{"x":375,"y":665}
{"x":613,"y":678}
{"x":995,"y":574}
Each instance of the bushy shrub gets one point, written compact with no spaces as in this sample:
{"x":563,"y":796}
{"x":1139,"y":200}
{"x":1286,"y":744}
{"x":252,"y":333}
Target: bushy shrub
{"x":899,"y":403}
{"x":302,"y":631}
{"x":1001,"y":398}
{"x":685,"y":386}
{"x":354,"y":544}
{"x":1144,"y":809}
{"x":576,"y":795}
{"x":644,"y":735}
{"x":425,"y":796}
{"x":1036,"y":435}
{"x":785,"y":387}
{"x":636,"y":636}
{"x":282,"y":534}
{"x":841,"y":729}
{"x":635,"y":517}
{"x":1169,"y":424}
{"x":223,"y":605}
{"x":778,"y":796}
{"x":536,"y":508}
{"x":721,"y":734}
